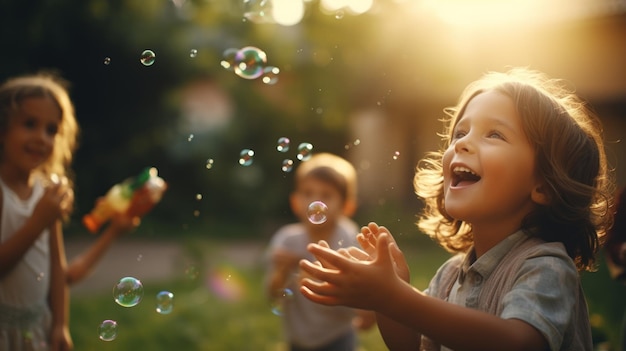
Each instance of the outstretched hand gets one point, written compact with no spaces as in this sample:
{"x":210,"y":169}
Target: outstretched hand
{"x":342,"y":278}
{"x":368,"y":241}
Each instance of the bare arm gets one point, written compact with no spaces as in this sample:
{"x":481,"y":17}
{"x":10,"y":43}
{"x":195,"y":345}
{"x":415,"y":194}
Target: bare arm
{"x":47,"y":210}
{"x":374,"y":285}
{"x":82,"y":265}
{"x":60,"y":338}
{"x":283,"y":263}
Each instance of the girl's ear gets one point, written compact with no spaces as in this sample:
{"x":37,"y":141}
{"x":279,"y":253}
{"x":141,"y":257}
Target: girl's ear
{"x":540,"y":195}
{"x":349,"y":208}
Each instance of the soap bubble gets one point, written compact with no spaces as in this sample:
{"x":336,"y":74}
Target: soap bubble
{"x":147,"y":57}
{"x":209,"y":163}
{"x":270,"y":75}
{"x":128,"y":292}
{"x":193,"y":53}
{"x":249,"y":62}
{"x":278,"y":303}
{"x":246,"y":156}
{"x":258,"y":11}
{"x":396,"y":155}
{"x":287,"y":165}
{"x":164,"y":302}
{"x":228,"y":59}
{"x":107,"y":60}
{"x":283,"y":144}
{"x":317,"y":212}
{"x":107,"y":330}
{"x":305,"y":151}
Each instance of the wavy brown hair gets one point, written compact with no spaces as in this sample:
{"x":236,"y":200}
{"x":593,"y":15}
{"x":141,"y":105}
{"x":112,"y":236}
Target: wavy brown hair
{"x":569,"y":155}
{"x":50,"y":85}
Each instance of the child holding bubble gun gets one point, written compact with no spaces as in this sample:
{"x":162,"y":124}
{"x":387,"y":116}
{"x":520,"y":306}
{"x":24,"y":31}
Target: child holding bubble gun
{"x":521,"y":192}
{"x":134,"y":196}
{"x":123,"y":206}
{"x":38,"y":132}
{"x":328,"y":181}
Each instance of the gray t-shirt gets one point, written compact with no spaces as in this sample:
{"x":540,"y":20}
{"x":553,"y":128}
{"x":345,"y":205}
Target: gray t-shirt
{"x":306,"y":323}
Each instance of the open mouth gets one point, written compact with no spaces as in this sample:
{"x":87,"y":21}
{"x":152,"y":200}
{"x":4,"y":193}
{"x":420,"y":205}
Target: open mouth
{"x":463,"y":176}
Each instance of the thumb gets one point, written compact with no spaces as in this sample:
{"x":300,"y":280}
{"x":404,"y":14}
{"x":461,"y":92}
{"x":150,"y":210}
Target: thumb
{"x":382,"y":248}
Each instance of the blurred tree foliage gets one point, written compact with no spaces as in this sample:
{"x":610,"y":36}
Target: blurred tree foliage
{"x":130,"y":114}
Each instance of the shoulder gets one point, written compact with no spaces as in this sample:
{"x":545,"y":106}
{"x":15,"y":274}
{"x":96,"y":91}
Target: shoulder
{"x":445,"y":276}
{"x":287,"y":233}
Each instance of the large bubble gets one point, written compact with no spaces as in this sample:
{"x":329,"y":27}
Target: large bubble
{"x":250,"y":62}
{"x":128,"y":292}
{"x":316,"y":212}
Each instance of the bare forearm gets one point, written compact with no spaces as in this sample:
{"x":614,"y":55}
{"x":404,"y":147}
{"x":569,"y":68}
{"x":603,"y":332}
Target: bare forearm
{"x":457,"y":327}
{"x":81,"y":266}
{"x":59,"y":292}
{"x":397,"y":336}
{"x":12,"y":250}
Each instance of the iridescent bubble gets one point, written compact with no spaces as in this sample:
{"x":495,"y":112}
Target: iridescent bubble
{"x":257,"y":11}
{"x":305,"y":151}
{"x":246,"y":156}
{"x":317,"y":212}
{"x":147,"y":57}
{"x":209,"y":163}
{"x":128,"y":292}
{"x":193,"y":53}
{"x":164,"y":302}
{"x":249,"y":62}
{"x":228,"y":58}
{"x":107,"y":330}
{"x":287,"y":165}
{"x":270,"y":75}
{"x":278,"y":304}
{"x":107,"y":60}
{"x":283,"y":144}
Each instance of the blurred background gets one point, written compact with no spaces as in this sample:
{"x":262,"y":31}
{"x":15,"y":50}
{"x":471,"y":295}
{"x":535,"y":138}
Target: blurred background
{"x":366,"y":79}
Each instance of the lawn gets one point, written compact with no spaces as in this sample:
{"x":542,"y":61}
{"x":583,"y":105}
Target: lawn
{"x":220,"y":305}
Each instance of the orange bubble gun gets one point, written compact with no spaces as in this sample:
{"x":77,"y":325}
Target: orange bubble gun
{"x":134,"y":196}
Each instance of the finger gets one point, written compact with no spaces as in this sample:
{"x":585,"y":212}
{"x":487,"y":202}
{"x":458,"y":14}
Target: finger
{"x":382,"y":248}
{"x":373,"y":227}
{"x":358,"y":254}
{"x":328,"y":257}
{"x":323,"y":243}
{"x":324,"y":300}
{"x":318,"y":272}
{"x":397,"y":255}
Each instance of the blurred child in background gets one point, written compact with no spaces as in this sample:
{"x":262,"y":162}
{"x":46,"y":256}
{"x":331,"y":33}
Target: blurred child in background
{"x":309,"y":326}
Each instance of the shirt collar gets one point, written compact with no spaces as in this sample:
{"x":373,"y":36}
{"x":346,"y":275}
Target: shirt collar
{"x":486,"y":263}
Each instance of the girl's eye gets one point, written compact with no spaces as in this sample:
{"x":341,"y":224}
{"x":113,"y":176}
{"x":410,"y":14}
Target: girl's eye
{"x":458,"y":134}
{"x":29,"y":123}
{"x":52,"y":130}
{"x":495,"y":135}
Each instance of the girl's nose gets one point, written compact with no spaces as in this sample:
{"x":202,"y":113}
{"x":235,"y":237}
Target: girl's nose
{"x":464,"y":144}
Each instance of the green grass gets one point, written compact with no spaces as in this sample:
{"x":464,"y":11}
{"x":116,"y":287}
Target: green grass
{"x":241,"y":319}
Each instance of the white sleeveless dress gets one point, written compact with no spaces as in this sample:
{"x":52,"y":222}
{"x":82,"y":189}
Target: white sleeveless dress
{"x":25,"y":317}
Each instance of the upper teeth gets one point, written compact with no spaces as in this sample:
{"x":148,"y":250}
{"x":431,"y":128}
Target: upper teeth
{"x":459,"y":169}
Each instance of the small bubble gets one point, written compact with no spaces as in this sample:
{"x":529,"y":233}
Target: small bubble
{"x":278,"y":304}
{"x":357,"y":142}
{"x":305,"y":151}
{"x":270,"y":75}
{"x":107,"y":330}
{"x":209,"y":163}
{"x":339,"y":15}
{"x":228,"y":59}
{"x":198,"y":197}
{"x":193,"y":53}
{"x":164,"y":302}
{"x":317,"y":212}
{"x":190,"y":137}
{"x":196,"y":213}
{"x":287,"y":165}
{"x":246,"y":156}
{"x":396,"y":155}
{"x":192,"y":272}
{"x":128,"y":292}
{"x":139,"y":258}
{"x":40,"y":276}
{"x":283,"y":144}
{"x":107,"y":61}
{"x":147,"y":57}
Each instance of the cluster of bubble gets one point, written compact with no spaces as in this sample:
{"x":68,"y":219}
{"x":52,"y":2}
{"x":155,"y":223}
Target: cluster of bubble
{"x":250,"y":63}
{"x":128,"y":292}
{"x":246,"y":156}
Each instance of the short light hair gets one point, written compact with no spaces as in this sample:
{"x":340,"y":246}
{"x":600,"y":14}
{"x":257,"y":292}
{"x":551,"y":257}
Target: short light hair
{"x":332,"y":169}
